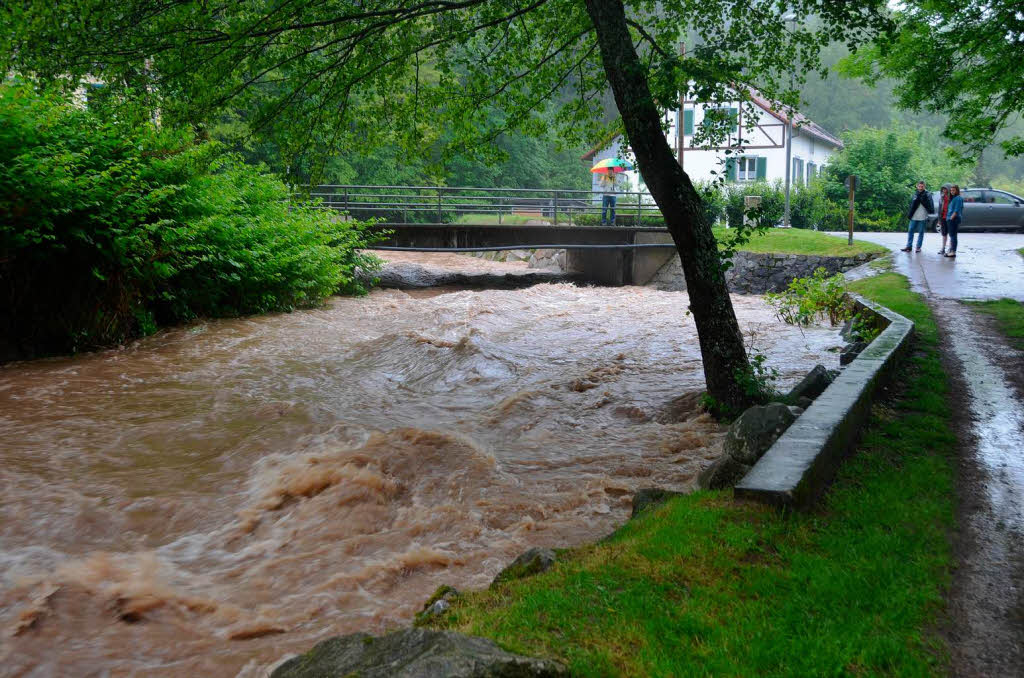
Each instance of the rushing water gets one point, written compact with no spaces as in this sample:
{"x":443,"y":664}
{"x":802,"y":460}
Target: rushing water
{"x":210,"y":499}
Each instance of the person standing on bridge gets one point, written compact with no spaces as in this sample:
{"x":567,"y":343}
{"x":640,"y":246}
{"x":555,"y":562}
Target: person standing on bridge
{"x":610,"y":186}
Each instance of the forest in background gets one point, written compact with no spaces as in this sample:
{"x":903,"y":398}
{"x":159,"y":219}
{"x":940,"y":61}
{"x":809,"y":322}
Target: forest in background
{"x":845,"y":106}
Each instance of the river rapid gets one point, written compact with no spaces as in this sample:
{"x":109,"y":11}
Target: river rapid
{"x":215,"y":497}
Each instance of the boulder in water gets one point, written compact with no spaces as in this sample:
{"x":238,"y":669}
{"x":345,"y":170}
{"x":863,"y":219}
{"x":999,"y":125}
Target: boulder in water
{"x":415,"y":653}
{"x":649,"y":497}
{"x":851,"y":351}
{"x":723,"y":472}
{"x":812,"y":386}
{"x":756,"y":430}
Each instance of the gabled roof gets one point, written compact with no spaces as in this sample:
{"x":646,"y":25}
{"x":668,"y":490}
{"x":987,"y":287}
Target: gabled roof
{"x":800,"y":121}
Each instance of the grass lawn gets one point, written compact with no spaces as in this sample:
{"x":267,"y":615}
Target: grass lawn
{"x":705,"y":586}
{"x":1009,"y":315}
{"x":801,"y":241}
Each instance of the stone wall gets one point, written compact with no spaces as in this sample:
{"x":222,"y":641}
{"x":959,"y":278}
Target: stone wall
{"x":759,"y":273}
{"x":549,"y":260}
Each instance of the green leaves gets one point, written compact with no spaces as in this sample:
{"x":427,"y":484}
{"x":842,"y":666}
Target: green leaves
{"x":106,"y":223}
{"x":346,"y":75}
{"x":963,"y":59}
{"x":810,"y":299}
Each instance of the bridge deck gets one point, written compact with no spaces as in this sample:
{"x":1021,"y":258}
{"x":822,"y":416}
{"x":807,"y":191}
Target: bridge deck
{"x":521,"y":235}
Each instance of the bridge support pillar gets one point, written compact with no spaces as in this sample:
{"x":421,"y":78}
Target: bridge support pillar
{"x":622,"y":266}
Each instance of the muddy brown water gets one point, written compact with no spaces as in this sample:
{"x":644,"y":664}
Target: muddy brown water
{"x":213,"y":498}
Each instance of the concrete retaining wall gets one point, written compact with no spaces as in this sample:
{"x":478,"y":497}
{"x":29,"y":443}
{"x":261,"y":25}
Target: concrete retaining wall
{"x":759,"y":273}
{"x":797,"y":468}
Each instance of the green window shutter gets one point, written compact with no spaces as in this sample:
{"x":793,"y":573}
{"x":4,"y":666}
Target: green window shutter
{"x":688,"y":122}
{"x":734,"y":113}
{"x":762,"y":168}
{"x":730,"y":169}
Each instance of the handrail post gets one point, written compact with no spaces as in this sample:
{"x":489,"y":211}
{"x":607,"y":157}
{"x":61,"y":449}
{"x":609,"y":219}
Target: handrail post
{"x":638,"y":209}
{"x":555,"y":209}
{"x":440,"y":191}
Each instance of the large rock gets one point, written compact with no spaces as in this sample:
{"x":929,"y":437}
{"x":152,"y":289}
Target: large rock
{"x":649,"y":497}
{"x":415,"y":653}
{"x":811,"y":386}
{"x":534,"y":561}
{"x":723,"y":472}
{"x":753,"y":433}
{"x":851,"y":351}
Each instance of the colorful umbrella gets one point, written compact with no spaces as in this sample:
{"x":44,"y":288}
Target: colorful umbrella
{"x":610,"y":166}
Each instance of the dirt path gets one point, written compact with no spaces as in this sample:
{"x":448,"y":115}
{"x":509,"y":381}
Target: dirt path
{"x":986,"y":604}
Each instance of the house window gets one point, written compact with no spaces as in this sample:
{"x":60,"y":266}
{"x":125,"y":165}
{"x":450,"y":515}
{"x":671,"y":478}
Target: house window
{"x":812,"y":171}
{"x":798,"y":171}
{"x":723,"y":113}
{"x":746,"y":169}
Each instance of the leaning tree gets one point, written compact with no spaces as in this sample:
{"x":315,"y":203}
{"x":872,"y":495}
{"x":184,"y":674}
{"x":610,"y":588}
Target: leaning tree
{"x":333,"y":76}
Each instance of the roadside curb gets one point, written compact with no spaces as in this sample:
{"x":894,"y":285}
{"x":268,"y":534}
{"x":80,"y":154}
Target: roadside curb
{"x":802,"y":462}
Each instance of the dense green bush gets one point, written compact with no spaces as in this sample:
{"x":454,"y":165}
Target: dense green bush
{"x":889,"y":162}
{"x":810,"y":299}
{"x":110,"y":227}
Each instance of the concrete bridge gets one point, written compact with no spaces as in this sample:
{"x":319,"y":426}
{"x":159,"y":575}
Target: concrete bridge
{"x":605,"y":255}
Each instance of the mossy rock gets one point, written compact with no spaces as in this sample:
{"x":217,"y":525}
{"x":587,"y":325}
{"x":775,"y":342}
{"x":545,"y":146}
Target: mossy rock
{"x":415,"y":653}
{"x":437,"y":604}
{"x":534,"y":561}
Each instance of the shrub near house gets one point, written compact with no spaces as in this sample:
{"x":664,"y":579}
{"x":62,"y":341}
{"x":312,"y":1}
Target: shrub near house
{"x":110,"y":227}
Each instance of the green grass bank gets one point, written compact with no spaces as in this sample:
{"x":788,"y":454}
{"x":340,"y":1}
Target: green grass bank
{"x":706,"y":586}
{"x":1009,"y":315}
{"x":800,"y":241}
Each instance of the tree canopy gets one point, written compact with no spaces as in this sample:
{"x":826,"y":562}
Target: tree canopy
{"x":960,"y":58}
{"x":351,"y":73}
{"x":355,"y":73}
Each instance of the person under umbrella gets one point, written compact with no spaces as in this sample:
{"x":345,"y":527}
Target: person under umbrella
{"x":609,"y":182}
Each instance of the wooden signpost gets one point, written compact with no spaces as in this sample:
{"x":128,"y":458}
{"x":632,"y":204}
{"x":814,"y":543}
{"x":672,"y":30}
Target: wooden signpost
{"x":852,"y":183}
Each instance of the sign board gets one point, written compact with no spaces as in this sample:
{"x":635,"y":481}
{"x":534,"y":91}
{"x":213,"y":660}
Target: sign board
{"x":855,"y":180}
{"x":750,"y":202}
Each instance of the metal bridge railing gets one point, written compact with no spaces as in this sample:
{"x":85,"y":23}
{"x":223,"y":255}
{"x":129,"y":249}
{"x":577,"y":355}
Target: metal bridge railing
{"x":483,"y":206}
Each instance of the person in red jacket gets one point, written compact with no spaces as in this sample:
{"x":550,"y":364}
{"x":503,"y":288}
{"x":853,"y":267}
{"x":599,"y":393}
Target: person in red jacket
{"x":943,"y":206}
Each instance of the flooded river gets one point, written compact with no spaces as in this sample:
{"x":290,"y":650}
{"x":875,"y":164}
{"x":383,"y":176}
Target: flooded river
{"x":210,"y":499}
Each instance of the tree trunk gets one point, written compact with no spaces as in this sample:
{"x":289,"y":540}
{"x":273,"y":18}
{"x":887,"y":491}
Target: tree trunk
{"x":721,"y":343}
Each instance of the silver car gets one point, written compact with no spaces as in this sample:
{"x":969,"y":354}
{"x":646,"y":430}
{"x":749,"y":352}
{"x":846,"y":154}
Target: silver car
{"x":987,"y":209}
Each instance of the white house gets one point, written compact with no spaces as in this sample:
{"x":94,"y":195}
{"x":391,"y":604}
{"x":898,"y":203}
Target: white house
{"x":762,"y":153}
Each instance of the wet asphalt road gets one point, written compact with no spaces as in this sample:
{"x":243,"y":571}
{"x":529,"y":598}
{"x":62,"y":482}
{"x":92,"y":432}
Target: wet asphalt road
{"x":987,"y":597}
{"x":987,"y":265}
